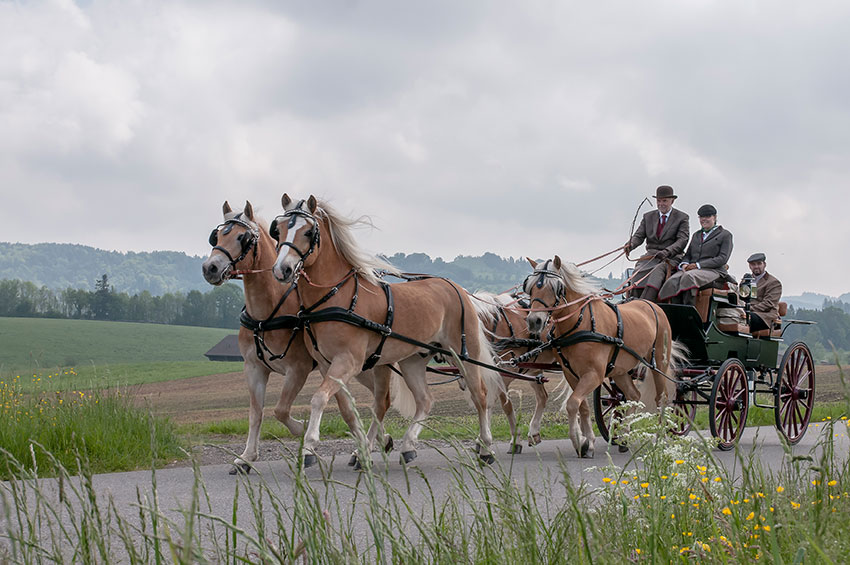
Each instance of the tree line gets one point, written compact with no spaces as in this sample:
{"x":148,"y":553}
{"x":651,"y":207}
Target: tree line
{"x":218,"y":307}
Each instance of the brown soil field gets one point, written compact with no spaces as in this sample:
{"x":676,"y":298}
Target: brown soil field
{"x":225,"y":396}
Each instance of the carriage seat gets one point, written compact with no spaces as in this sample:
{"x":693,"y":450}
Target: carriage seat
{"x":775,"y":330}
{"x":719,"y":287}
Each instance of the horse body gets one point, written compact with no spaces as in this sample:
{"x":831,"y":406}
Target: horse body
{"x":431,"y":311}
{"x":646,"y":342}
{"x":508,"y":333}
{"x":265,"y":298}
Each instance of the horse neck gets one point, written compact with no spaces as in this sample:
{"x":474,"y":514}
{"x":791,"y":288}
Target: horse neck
{"x":328,"y":269}
{"x":262,"y":291}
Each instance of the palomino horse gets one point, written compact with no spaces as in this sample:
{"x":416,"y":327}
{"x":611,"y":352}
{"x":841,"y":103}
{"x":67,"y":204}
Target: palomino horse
{"x":595,"y":339}
{"x":349,"y":316}
{"x":508,"y":334}
{"x":242,"y":246}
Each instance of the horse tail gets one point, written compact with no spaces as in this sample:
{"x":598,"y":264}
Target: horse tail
{"x":678,"y":356}
{"x":492,"y":380}
{"x":401,"y":398}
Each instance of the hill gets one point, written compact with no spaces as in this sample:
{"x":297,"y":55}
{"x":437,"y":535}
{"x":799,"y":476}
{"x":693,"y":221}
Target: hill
{"x":64,"y":265}
{"x":34,"y":342}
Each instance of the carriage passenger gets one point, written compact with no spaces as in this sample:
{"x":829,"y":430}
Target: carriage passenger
{"x":704,"y":261}
{"x":666,"y":234}
{"x":764,"y":303}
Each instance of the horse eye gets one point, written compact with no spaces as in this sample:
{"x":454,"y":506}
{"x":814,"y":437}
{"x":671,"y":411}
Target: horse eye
{"x":308,"y":233}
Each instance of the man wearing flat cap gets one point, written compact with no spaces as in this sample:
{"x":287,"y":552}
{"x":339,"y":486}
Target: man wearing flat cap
{"x":665,"y":231}
{"x":764,"y":304}
{"x":704,"y":261}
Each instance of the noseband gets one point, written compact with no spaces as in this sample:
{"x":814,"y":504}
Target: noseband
{"x":291,"y":216}
{"x":249,"y":239}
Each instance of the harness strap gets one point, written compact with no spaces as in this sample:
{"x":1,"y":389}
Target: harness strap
{"x":376,"y":356}
{"x":272,"y":323}
{"x":614,"y":355}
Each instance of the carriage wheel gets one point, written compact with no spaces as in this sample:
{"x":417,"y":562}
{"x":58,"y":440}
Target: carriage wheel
{"x":606,"y":398}
{"x":795,"y":392}
{"x":728,"y":404}
{"x":684,"y":413}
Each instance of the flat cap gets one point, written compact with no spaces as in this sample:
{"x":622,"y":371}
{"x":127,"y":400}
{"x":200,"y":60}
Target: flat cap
{"x":707,"y":210}
{"x":756,"y":257}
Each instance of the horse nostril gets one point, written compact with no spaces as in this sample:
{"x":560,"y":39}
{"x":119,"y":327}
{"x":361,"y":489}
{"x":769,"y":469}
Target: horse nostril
{"x":287,"y":272}
{"x":212,"y":269}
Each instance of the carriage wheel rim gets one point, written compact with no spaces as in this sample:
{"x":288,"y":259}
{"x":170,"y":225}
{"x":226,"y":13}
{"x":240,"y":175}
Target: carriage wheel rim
{"x":730,"y":404}
{"x":795,"y":395}
{"x":610,"y":399}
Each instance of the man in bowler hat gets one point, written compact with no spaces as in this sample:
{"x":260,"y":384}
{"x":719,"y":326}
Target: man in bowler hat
{"x":665,"y":231}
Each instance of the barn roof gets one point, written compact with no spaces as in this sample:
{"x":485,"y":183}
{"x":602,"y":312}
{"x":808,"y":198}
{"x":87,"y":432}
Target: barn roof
{"x":225,"y":350}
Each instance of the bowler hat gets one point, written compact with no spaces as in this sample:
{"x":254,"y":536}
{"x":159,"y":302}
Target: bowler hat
{"x":756,"y":257}
{"x":664,"y":191}
{"x":707,"y":210}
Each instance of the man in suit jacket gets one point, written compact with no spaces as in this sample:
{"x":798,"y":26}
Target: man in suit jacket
{"x":764,"y":306}
{"x":666,"y":234}
{"x":704,"y":261}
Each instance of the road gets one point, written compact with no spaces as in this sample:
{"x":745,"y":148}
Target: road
{"x":543,"y":467}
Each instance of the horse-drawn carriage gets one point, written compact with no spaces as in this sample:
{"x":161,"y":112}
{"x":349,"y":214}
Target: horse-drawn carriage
{"x":387,"y":332}
{"x":730,"y":369}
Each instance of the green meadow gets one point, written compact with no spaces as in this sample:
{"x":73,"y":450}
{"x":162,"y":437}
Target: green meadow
{"x":30,"y":345}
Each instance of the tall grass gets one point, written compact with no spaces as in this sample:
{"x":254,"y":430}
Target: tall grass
{"x":673,"y":503}
{"x":103,"y":425}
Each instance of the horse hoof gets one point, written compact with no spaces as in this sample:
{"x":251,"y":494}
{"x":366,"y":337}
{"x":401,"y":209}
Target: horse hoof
{"x":352,"y":461}
{"x":389,"y":445}
{"x":407,"y":457}
{"x":585,"y":448}
{"x":356,"y":465}
{"x":515,"y":449}
{"x":310,"y":460}
{"x":487,"y":459}
{"x":534,"y":440}
{"x":622,"y":448}
{"x":243,"y":468}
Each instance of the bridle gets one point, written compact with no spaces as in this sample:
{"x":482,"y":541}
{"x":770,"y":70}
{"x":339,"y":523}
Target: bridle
{"x":560,"y":293}
{"x":248,"y":239}
{"x":291,"y":216}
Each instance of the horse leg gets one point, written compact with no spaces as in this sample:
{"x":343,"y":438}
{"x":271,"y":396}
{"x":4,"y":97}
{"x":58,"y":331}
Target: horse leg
{"x":341,"y":370}
{"x":587,"y":428}
{"x":379,"y":383}
{"x":257,"y":377}
{"x":508,"y":407}
{"x":413,"y":370}
{"x":541,"y":398}
{"x":583,"y":388}
{"x":478,"y":394}
{"x":293,"y":381}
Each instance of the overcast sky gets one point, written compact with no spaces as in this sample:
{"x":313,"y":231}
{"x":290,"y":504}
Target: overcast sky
{"x":521,"y":128}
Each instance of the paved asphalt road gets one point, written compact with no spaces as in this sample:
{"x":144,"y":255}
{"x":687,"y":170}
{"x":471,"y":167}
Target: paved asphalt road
{"x":543,"y":465}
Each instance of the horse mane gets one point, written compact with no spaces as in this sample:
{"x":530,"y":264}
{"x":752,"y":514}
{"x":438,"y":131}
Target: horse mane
{"x":486,"y":305}
{"x":341,"y":229}
{"x":576,"y":281}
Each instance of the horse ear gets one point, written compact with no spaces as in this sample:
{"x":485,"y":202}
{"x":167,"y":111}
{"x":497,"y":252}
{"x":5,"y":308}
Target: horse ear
{"x":248,"y":211}
{"x":226,"y":209}
{"x":285,"y":200}
{"x":312,"y":204}
{"x":557,"y":263}
{"x":532,"y":262}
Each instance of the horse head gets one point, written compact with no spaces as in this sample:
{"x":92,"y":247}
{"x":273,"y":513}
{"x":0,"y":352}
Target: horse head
{"x":234,"y":244}
{"x":297,"y":233}
{"x":545,"y":287}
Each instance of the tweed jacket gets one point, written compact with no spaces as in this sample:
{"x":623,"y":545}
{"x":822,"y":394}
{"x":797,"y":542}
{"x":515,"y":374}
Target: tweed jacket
{"x":713,"y":253}
{"x":673,"y":238}
{"x":766,"y":303}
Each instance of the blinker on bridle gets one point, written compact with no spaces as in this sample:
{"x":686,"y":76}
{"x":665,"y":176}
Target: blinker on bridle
{"x":539,"y":284}
{"x":292,"y":215}
{"x":248,"y":239}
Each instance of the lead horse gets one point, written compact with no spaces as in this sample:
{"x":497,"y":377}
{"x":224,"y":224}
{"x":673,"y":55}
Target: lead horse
{"x":353,"y":320}
{"x":595,"y":339}
{"x":268,"y":337}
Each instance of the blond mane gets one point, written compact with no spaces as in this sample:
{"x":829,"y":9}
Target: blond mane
{"x":341,"y":232}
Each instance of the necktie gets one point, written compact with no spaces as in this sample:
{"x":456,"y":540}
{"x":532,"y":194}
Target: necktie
{"x":660,"y":227}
